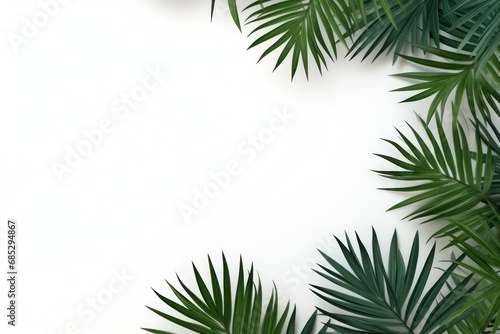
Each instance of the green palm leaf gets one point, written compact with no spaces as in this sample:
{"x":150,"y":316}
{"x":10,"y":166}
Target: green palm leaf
{"x":416,"y":22}
{"x":484,"y":254}
{"x":462,"y":186}
{"x":454,"y":77}
{"x":477,"y":24}
{"x":491,"y":138}
{"x":233,"y":9}
{"x":310,"y":28}
{"x":214,"y":309}
{"x":392,"y":298}
{"x":450,"y":181}
{"x":469,"y":68}
{"x":475,"y":322}
{"x":464,"y":36}
{"x":300,"y":28}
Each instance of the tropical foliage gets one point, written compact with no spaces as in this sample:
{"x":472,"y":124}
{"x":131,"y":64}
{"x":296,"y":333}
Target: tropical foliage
{"x":450,"y":175}
{"x":463,"y":36}
{"x":451,"y":182}
{"x":378,"y":298}
{"x":217,"y":310}
{"x":391,"y":299}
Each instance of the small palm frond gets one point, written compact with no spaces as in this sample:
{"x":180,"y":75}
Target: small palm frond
{"x":450,"y":180}
{"x":216,"y":310}
{"x":457,"y":74}
{"x":463,"y":35}
{"x":391,"y":299}
{"x":484,"y":254}
{"x":300,"y":28}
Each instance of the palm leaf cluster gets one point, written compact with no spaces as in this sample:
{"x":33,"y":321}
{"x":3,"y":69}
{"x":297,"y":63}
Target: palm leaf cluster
{"x":383,"y":295}
{"x":451,"y":182}
{"x":450,"y":175}
{"x":455,"y":76}
{"x":485,"y":256}
{"x":216,"y":309}
{"x":391,"y":298}
{"x":462,"y":37}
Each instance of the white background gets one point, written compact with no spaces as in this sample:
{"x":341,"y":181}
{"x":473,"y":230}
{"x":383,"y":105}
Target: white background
{"x":119,"y":209}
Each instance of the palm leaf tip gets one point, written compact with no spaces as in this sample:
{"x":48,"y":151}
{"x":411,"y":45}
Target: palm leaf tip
{"x":305,"y":31}
{"x":447,"y":179}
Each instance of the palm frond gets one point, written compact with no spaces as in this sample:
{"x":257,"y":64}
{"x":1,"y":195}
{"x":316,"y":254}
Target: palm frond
{"x":467,"y":65}
{"x":450,"y":181}
{"x":473,"y":323}
{"x":233,"y":9}
{"x":393,"y":298}
{"x":314,"y":27}
{"x":490,"y":136}
{"x":477,"y":24}
{"x":300,"y":28}
{"x":216,"y":310}
{"x":414,"y":22}
{"x":453,"y":77}
{"x":464,"y":36}
{"x":459,"y":185}
{"x":484,"y":254}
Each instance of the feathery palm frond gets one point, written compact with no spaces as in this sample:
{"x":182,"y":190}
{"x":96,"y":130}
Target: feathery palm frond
{"x":416,"y":22}
{"x":390,"y":299}
{"x":457,"y":74}
{"x":218,"y":311}
{"x":451,"y":181}
{"x":464,"y":36}
{"x":467,"y":40}
{"x":476,"y":24}
{"x":315,"y":27}
{"x":474,"y":323}
{"x":300,"y":28}
{"x":485,"y":256}
{"x":304,"y":28}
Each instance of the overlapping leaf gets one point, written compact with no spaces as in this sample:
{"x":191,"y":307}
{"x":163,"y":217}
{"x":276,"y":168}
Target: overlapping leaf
{"x":484,"y":253}
{"x":309,"y":28}
{"x":416,"y":22}
{"x":461,"y":186}
{"x":450,"y":181}
{"x":300,"y":28}
{"x":215,"y":310}
{"x":475,"y":322}
{"x":476,"y":25}
{"x":466,"y":65}
{"x":392,"y":298}
{"x":456,"y":76}
{"x":233,"y":9}
{"x":464,"y":36}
